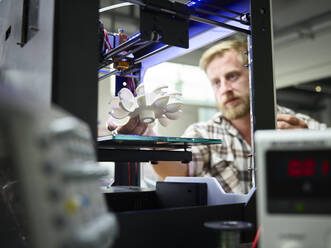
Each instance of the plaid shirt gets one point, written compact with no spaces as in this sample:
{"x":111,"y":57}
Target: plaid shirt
{"x":230,"y":162}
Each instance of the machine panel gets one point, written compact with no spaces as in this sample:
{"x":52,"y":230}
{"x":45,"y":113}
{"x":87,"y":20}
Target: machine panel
{"x":293,"y":176}
{"x":49,"y":178}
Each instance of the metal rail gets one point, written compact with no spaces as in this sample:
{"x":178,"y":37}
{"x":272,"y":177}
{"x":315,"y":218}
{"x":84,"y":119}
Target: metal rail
{"x":135,"y":50}
{"x":108,"y":74}
{"x":124,"y":46}
{"x":142,"y":58}
{"x":219,"y":24}
{"x":206,"y":12}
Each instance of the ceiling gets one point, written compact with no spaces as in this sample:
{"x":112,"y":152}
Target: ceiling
{"x":287,"y":13}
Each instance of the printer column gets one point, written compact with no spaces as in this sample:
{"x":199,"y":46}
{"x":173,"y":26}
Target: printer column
{"x":127,"y":174}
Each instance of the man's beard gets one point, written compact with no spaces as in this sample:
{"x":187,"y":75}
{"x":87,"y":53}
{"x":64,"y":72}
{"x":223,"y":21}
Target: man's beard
{"x":237,"y":111}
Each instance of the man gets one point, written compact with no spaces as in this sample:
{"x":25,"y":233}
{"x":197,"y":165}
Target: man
{"x":229,"y":162}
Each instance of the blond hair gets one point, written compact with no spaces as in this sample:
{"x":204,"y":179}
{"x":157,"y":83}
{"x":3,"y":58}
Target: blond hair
{"x":219,"y":49}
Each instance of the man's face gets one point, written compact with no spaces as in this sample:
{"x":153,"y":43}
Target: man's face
{"x":230,"y":81}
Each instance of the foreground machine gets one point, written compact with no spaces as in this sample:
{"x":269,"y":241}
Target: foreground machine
{"x":294,"y":200}
{"x":50,"y":190}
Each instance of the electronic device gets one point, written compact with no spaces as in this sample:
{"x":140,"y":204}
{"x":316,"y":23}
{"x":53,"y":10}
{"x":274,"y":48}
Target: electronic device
{"x":293,"y":190}
{"x":49,"y":178}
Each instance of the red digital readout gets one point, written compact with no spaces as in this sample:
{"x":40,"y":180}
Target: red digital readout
{"x":294,"y":168}
{"x":325,"y":167}
{"x":306,"y":168}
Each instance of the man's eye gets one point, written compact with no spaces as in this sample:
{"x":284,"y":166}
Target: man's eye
{"x":232,"y":76}
{"x":216,"y":83}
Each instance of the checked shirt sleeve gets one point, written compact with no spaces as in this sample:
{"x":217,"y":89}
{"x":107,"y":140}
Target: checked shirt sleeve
{"x":200,"y":153}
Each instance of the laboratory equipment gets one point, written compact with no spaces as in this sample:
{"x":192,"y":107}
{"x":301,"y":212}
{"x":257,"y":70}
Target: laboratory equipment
{"x":294,"y":178}
{"x":50,"y":188}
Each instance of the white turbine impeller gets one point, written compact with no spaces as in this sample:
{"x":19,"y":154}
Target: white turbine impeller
{"x":160,"y":104}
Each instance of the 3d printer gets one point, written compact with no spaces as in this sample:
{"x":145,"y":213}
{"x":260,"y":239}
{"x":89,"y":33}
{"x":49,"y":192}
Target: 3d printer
{"x":168,"y":30}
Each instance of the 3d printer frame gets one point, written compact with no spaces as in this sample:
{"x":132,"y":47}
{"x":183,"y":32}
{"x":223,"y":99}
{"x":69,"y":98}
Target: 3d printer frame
{"x":168,"y":30}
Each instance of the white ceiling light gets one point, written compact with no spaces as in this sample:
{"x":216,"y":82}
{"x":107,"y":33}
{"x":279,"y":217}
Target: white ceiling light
{"x":115,"y":6}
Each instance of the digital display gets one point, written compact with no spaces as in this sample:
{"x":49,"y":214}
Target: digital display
{"x":307,"y":168}
{"x":298,"y":178}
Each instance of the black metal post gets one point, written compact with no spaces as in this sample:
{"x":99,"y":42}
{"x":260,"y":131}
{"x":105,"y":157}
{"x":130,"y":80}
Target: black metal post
{"x":127,"y":174}
{"x":261,"y":73}
{"x":261,"y":70}
{"x":261,"y":66}
{"x":75,"y":79}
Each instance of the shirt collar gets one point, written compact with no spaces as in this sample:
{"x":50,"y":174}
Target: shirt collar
{"x":221,"y":120}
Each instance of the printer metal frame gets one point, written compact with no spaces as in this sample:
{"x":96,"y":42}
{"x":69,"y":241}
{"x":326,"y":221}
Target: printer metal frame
{"x":252,"y":18}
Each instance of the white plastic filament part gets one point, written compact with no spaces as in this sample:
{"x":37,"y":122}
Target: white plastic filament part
{"x":160,"y":104}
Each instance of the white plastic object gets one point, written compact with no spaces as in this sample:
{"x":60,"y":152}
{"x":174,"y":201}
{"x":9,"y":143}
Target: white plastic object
{"x":160,"y":104}
{"x":161,"y":101}
{"x":127,"y":100}
{"x":159,"y":89}
{"x":163,"y":121}
{"x":174,"y":106}
{"x":116,"y":110}
{"x":147,"y":116}
{"x":173,"y":116}
{"x":174,"y":103}
{"x":120,"y":122}
{"x":140,"y":90}
{"x":141,"y":100}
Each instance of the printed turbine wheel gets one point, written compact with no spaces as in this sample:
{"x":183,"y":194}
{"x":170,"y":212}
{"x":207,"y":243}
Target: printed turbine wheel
{"x":173,"y":116}
{"x":116,"y":109}
{"x":160,"y":104}
{"x":127,"y":100}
